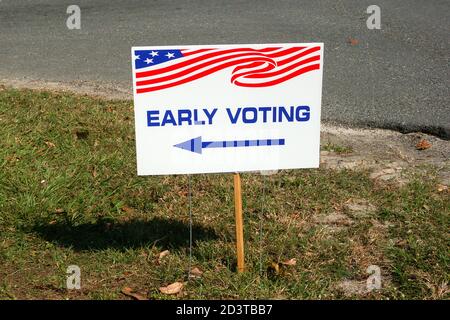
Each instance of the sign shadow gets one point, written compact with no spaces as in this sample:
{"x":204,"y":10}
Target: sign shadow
{"x":105,"y":234}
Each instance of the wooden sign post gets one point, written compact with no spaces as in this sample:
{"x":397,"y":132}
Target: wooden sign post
{"x":239,"y":223}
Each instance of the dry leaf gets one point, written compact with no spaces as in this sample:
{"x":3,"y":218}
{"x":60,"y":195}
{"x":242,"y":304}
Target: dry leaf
{"x":59,"y":211}
{"x":276,"y":267}
{"x":127,"y":209}
{"x":173,"y":288}
{"x":129,"y":292}
{"x":290,"y":262}
{"x":353,"y":42}
{"x":196,"y":273}
{"x":402,"y":243}
{"x":50,"y":144}
{"x":162,"y":254}
{"x":423,"y":145}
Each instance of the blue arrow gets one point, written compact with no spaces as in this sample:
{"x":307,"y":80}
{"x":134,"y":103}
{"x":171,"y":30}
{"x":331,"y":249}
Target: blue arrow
{"x":196,"y":144}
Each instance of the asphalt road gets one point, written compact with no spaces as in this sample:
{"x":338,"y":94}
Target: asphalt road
{"x":396,"y":77}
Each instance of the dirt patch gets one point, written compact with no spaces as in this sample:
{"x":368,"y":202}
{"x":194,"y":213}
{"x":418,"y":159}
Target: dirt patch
{"x":333,"y":218}
{"x":352,"y":287}
{"x":387,"y":154}
{"x":359,"y":208}
{"x":392,"y":172}
{"x":108,"y":91}
{"x":331,"y":223}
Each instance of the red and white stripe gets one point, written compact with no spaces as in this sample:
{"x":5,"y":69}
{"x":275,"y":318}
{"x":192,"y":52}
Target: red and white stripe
{"x":252,"y":67}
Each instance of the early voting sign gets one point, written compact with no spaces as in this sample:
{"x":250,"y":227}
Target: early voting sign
{"x":227,"y":108}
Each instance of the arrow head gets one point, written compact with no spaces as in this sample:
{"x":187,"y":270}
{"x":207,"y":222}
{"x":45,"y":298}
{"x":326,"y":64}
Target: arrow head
{"x":193,"y":145}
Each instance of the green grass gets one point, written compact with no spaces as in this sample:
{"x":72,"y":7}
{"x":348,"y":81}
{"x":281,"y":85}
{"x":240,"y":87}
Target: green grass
{"x":337,"y":148}
{"x":69,"y":194}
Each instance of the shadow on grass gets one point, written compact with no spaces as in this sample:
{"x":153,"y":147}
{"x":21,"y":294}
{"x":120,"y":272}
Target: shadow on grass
{"x":164,"y":233}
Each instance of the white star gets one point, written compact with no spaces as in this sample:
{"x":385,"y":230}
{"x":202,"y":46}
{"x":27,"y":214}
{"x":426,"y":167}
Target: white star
{"x":154,"y":53}
{"x":170,"y":55}
{"x":149,"y":60}
{"x":136,"y":57}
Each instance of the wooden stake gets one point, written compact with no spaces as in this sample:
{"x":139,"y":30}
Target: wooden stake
{"x":239,"y":222}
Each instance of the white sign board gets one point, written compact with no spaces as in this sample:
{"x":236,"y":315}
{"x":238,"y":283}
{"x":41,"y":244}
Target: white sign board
{"x":227,"y":108}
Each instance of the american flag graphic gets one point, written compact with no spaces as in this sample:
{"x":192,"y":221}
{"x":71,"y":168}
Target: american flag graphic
{"x":162,"y":69}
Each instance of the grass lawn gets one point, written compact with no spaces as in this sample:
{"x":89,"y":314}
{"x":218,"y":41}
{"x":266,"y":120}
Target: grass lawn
{"x":69,"y":195}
